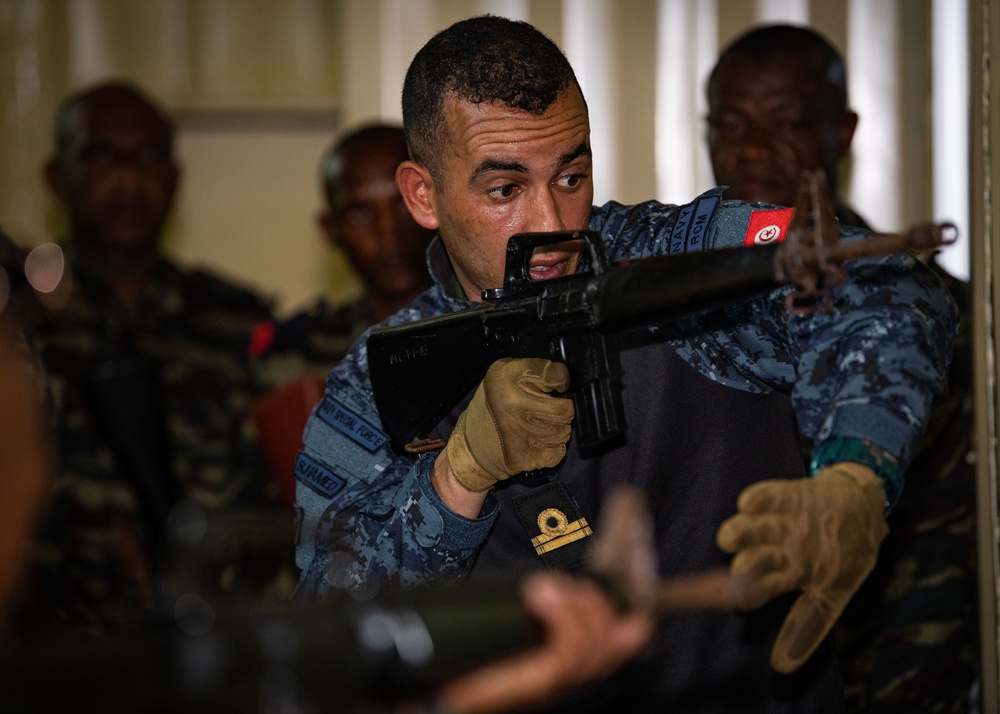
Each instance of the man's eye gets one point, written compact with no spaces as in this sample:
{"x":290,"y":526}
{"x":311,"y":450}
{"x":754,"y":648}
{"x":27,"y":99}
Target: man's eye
{"x":505,"y":191}
{"x":358,"y":214}
{"x":726,"y":125}
{"x":572,"y":180}
{"x":152,"y":155}
{"x":99,"y":155}
{"x":792,"y":125}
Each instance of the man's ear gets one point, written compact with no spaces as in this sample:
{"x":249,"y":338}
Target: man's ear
{"x":845,"y":132}
{"x":55,"y":178}
{"x":177,"y":172}
{"x":417,"y":188}
{"x":328,"y":226}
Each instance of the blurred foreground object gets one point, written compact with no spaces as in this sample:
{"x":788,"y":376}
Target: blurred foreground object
{"x":25,"y":467}
{"x":280,"y":418}
{"x":349,"y":655}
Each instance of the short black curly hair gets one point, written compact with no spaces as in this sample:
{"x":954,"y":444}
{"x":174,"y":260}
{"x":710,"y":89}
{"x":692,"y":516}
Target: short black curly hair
{"x":484,"y":59}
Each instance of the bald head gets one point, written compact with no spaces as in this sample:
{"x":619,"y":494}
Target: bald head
{"x":824,"y":62}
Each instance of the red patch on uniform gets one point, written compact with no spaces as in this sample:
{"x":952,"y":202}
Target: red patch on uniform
{"x":261,"y":337}
{"x":768,"y":226}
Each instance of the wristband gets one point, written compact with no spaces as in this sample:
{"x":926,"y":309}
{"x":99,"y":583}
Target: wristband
{"x":845,"y":448}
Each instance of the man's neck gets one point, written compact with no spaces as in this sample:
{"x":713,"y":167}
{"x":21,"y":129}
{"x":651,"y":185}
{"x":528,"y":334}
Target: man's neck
{"x":124,"y":273}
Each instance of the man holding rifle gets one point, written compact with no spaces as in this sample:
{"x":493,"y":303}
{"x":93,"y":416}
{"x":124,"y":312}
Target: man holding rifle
{"x":499,"y":139}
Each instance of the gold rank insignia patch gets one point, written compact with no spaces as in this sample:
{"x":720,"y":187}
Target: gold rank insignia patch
{"x":553,"y":521}
{"x":557,"y":531}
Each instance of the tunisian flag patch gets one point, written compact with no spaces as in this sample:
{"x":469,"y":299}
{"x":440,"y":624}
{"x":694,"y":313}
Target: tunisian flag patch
{"x":768,"y":226}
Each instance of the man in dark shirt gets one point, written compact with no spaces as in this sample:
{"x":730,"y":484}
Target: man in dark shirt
{"x":365,"y":217}
{"x":499,"y":139}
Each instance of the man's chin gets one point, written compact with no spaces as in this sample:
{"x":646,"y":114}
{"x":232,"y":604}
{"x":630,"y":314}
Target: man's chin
{"x":132,"y":240}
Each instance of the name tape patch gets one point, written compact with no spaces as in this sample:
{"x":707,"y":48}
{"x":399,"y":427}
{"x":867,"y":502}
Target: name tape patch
{"x":768,"y":226}
{"x":317,"y":476}
{"x":688,"y":234}
{"x":350,"y":424}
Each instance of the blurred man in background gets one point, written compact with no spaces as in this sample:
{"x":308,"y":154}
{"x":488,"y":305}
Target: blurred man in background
{"x":366,"y":218}
{"x":147,"y":368}
{"x":777,"y":106}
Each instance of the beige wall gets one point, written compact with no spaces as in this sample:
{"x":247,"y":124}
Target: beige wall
{"x":248,"y":204}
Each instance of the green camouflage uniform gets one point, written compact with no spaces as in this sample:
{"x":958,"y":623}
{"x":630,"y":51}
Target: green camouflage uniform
{"x":181,"y":347}
{"x":311,"y":342}
{"x":909,"y":638}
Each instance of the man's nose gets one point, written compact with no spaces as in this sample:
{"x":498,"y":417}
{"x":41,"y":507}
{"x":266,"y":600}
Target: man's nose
{"x":546,"y":214}
{"x":129,"y":174}
{"x":388,"y":216}
{"x":757,"y":141}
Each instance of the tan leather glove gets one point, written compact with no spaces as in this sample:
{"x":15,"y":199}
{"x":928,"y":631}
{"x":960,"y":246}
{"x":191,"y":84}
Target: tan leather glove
{"x":820,"y":535}
{"x":514,"y":423}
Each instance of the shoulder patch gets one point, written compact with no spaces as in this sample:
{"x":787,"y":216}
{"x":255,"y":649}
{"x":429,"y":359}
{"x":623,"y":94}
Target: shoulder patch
{"x":768,"y":226}
{"x":317,"y":476}
{"x":688,"y":234}
{"x":350,"y":424}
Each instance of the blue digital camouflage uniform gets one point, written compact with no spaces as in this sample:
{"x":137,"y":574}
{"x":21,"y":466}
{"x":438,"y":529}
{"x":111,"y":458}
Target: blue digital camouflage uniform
{"x":866,"y":372}
{"x":149,"y":407}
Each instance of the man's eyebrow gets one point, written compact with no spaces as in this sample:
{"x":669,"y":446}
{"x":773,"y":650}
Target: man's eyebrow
{"x":569,"y":156}
{"x":494,"y":164}
{"x":488,"y":165}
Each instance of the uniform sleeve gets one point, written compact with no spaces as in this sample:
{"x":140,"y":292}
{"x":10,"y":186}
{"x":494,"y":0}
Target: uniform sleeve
{"x":868,"y":371}
{"x":862,"y":376}
{"x":872,"y":369}
{"x":366,"y":515}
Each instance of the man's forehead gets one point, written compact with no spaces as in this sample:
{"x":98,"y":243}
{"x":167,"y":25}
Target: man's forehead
{"x":497,"y":124}
{"x":786,"y":75}
{"x":370,"y":163}
{"x":113,"y":117}
{"x":363,"y":154}
{"x":373,"y":188}
{"x":799,"y":64}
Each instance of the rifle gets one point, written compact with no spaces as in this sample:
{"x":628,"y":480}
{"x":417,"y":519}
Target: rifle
{"x":421,"y":370}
